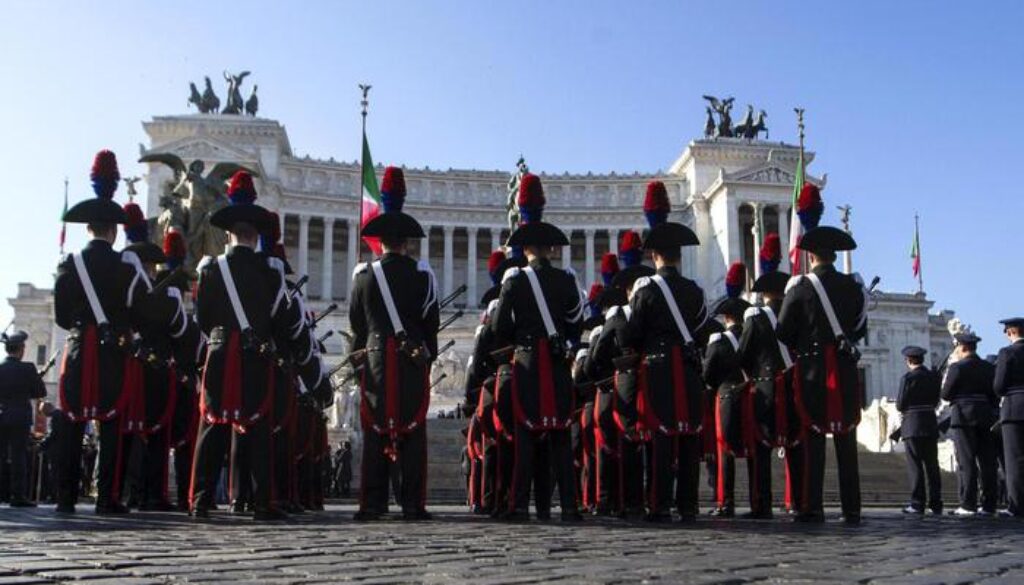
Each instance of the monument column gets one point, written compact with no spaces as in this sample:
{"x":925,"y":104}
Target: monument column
{"x":353,"y":256}
{"x":327,"y":265}
{"x":567,"y":251}
{"x":449,"y":258}
{"x":614,"y":237}
{"x":425,"y":245}
{"x":756,"y":230}
{"x":589,"y":261}
{"x":303,"y":245}
{"x":495,"y":238}
{"x":280,"y":220}
{"x":471,"y":266}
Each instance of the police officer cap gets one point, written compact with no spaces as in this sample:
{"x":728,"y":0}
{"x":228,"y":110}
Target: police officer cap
{"x":1013,"y":322}
{"x":827,"y":238}
{"x":913,"y":351}
{"x":967,"y":337}
{"x":14,"y":339}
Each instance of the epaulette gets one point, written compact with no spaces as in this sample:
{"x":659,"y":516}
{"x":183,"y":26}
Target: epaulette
{"x":424,"y":266}
{"x":612,"y":312}
{"x":276,"y":264}
{"x":359,"y":269}
{"x":510,"y":273}
{"x":581,"y":355}
{"x":639,"y":284}
{"x":568,"y":270}
{"x":594,"y":334}
{"x":714,"y":337}
{"x":206,"y":261}
{"x":129,"y":257}
{"x":491,"y":307}
{"x":793,"y":281}
{"x":751,"y":312}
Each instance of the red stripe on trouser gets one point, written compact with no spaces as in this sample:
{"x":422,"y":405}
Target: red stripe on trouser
{"x":599,"y":447}
{"x":682,"y":406}
{"x":788,"y":496}
{"x":719,"y":454}
{"x":834,"y":390}
{"x":546,"y":382}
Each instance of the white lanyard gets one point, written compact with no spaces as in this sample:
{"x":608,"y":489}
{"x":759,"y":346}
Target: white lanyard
{"x":229,"y":284}
{"x":542,"y":303}
{"x":826,"y":304}
{"x":90,"y":292}
{"x":783,"y":350}
{"x":673,"y":308}
{"x":389,"y":301}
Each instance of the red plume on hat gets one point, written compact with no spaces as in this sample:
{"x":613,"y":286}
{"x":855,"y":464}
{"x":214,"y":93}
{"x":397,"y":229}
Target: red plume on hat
{"x":609,"y":267}
{"x":770,"y":254}
{"x":630,"y":249}
{"x":105,"y":175}
{"x":174,"y":248}
{"x":392,"y":190}
{"x":531,"y":199}
{"x":494,"y":263}
{"x":656,"y":203}
{"x":240,"y":189}
{"x":595,"y":291}
{"x":135,"y":227}
{"x":809,"y":206}
{"x":735,"y":279}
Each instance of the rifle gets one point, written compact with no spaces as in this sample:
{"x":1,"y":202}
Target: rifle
{"x":330,"y":309}
{"x":458,"y":315}
{"x":451,"y":298}
{"x":167,"y":280}
{"x":299,"y":284}
{"x":50,"y":363}
{"x":437,"y":381}
{"x":325,"y":336}
{"x":446,"y":346}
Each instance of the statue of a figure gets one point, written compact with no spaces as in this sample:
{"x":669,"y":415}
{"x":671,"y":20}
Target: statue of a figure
{"x":202,"y":195}
{"x":130,"y":184}
{"x":722,"y":107}
{"x":709,"y":124}
{"x":234,"y":105}
{"x":513,"y":193}
{"x":210,"y":103}
{"x":195,"y":98}
{"x":252,"y":105}
{"x":173,"y":214}
{"x":845,"y":210}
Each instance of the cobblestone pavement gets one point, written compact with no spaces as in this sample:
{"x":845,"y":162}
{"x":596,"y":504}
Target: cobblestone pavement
{"x":38,"y":547}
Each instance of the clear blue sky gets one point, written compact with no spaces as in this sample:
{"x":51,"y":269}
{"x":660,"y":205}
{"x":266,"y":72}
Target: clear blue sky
{"x":911,"y":106}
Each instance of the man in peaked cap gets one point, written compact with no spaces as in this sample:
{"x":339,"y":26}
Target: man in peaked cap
{"x":100,"y":296}
{"x":823,"y":317}
{"x":916,"y":401}
{"x":1009,"y":385}
{"x":772,"y":420}
{"x":668,"y":316}
{"x":19,"y":385}
{"x":244,"y":309}
{"x":394,"y":316}
{"x":968,"y":386}
{"x":540,"y":312}
{"x":726,"y":380}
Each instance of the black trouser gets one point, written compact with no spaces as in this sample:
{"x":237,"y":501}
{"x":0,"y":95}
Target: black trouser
{"x":631,"y":474}
{"x":154,"y":468}
{"x":239,"y":482}
{"x":284,"y":466}
{"x":725,"y":480}
{"x":976,"y":458}
{"x":504,"y":460}
{"x":923,"y":467}
{"x":14,"y":446}
{"x":673,"y":460}
{"x":795,"y":468}
{"x":183,"y":472}
{"x":109,"y":462}
{"x":376,"y":471}
{"x":814,"y":473}
{"x":1013,"y":453}
{"x":489,"y":471}
{"x":759,"y":478}
{"x":212,"y":444}
{"x":608,"y":492}
{"x":537,"y":457}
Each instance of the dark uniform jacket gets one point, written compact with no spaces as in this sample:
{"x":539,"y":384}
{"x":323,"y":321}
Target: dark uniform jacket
{"x":1009,"y":381}
{"x":480,"y":374}
{"x":413,"y":288}
{"x":123,"y":292}
{"x":723,"y":376}
{"x":804,"y":327}
{"x":618,"y":402}
{"x":968,"y":386}
{"x":19,"y":384}
{"x":238,"y":375}
{"x":761,"y":357}
{"x":518,"y":322}
{"x":917,"y":399}
{"x":653,"y":333}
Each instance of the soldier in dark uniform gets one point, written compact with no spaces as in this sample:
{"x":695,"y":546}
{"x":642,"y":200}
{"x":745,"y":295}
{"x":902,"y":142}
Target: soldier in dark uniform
{"x":771,"y":416}
{"x":1009,"y":385}
{"x":540,"y":312}
{"x":668,"y":313}
{"x":917,"y":400}
{"x":243,"y":308}
{"x":100,"y":296}
{"x":726,"y":380}
{"x":394,"y":317}
{"x":968,"y":387}
{"x":825,"y":379}
{"x":20,"y":384}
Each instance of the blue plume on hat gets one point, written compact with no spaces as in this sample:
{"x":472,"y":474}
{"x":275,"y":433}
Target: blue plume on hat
{"x":392,"y":190}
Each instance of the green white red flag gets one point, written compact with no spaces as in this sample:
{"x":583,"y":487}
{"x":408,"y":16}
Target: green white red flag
{"x":915,"y":252}
{"x":64,"y":225}
{"x":796,"y":229}
{"x":371,"y":204}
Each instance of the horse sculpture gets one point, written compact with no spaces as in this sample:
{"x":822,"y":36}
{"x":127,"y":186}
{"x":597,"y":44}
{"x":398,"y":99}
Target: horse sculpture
{"x":195,"y":98}
{"x":211,"y":103}
{"x":750,"y":127}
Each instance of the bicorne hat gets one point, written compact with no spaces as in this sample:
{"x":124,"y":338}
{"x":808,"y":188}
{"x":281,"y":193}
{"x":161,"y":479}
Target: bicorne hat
{"x":101,"y":208}
{"x":663,"y":234}
{"x":242,"y":206}
{"x":393,"y":222}
{"x":532,"y":231}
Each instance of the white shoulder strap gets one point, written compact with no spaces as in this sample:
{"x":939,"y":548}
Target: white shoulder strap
{"x":542,"y":303}
{"x":732,"y":340}
{"x":229,"y":285}
{"x":826,"y":304}
{"x":673,"y":307}
{"x":389,"y":301}
{"x":90,"y":291}
{"x":783,"y":350}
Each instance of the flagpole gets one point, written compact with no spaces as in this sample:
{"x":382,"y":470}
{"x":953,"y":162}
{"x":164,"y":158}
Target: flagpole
{"x":365,"y":103}
{"x":917,"y":243}
{"x":64,"y":224}
{"x":801,"y":255}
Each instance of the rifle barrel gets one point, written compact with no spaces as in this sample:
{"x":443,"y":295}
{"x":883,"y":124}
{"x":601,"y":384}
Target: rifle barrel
{"x":454,"y":295}
{"x":330,"y":309}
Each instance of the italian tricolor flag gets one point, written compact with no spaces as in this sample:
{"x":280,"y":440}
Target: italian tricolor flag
{"x":371,"y":197}
{"x":796,"y":229}
{"x":915,"y":252}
